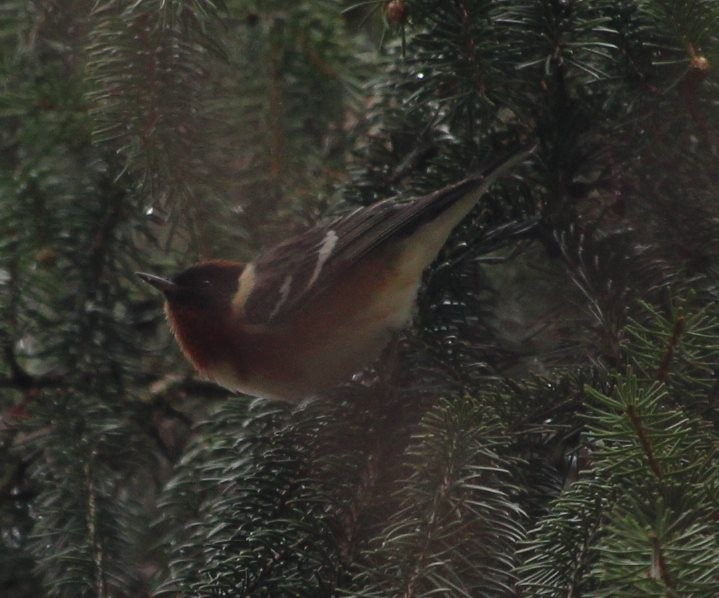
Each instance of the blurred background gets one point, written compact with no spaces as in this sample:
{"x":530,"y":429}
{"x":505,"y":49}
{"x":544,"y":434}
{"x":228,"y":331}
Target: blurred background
{"x":550,"y":425}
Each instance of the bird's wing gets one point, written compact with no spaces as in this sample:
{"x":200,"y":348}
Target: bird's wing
{"x":290,"y":274}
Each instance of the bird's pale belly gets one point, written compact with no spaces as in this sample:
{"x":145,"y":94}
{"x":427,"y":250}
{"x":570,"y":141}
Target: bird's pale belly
{"x":318,"y":353}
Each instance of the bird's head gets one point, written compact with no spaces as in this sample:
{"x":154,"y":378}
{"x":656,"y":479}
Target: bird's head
{"x":199,"y":307}
{"x":207,"y":286}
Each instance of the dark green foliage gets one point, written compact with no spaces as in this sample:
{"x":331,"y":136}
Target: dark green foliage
{"x":548,"y":424}
{"x":641,"y":521}
{"x":455,"y":525}
{"x":270,"y":483}
{"x":144,"y":59}
{"x":88,"y":514}
{"x":659,"y":536}
{"x":562,"y":547}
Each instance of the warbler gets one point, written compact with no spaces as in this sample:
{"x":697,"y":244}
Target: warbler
{"x":306,"y":314}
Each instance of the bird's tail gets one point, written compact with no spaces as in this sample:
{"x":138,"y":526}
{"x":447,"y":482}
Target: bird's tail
{"x":452,"y":203}
{"x":477,"y":183}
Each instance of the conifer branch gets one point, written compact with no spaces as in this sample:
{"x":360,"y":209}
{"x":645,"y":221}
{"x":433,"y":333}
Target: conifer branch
{"x":664,"y":365}
{"x":641,"y":433}
{"x":408,"y":589}
{"x":659,"y":565}
{"x":92,"y":532}
{"x":349,"y":518}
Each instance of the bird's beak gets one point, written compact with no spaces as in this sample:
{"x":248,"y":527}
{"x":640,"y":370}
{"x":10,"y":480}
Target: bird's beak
{"x":161,"y":284}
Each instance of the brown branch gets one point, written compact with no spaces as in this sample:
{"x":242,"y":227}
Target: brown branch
{"x":663,"y":370}
{"x":659,"y":564}
{"x":470,"y":48}
{"x":644,"y":440}
{"x":699,"y":68}
{"x":433,"y":522}
{"x":95,"y":543}
{"x":350,"y":517}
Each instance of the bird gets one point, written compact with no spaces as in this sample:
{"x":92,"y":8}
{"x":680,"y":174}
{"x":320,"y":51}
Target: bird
{"x":306,"y":314}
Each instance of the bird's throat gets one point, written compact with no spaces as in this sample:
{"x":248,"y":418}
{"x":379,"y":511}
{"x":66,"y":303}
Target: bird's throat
{"x":203,"y":337}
